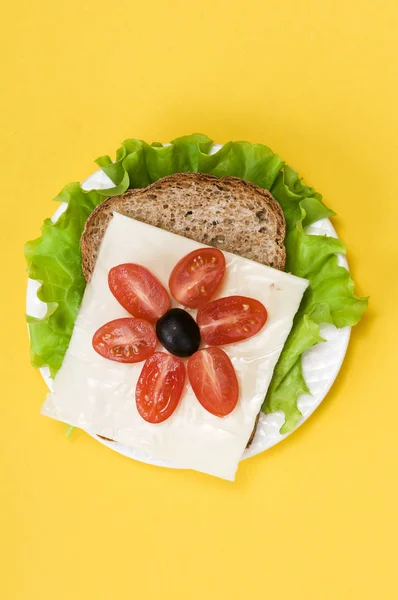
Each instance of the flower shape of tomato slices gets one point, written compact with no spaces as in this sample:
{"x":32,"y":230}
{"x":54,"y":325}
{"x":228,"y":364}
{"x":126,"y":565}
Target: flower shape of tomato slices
{"x":193,"y":283}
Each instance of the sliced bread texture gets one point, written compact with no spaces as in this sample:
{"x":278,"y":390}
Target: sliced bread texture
{"x":228,"y":213}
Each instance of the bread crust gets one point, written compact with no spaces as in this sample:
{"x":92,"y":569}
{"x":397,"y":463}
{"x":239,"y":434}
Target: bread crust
{"x":228,"y":213}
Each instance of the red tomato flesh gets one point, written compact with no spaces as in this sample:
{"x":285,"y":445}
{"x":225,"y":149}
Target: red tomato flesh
{"x":230,"y":320}
{"x":213,"y":380}
{"x":159,"y":387}
{"x":138,"y":291}
{"x":125,"y":340}
{"x":196,"y":277}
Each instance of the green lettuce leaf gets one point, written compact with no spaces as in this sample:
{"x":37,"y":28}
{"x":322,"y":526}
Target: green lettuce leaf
{"x":284,"y":396}
{"x":54,"y":259}
{"x":329,"y":298}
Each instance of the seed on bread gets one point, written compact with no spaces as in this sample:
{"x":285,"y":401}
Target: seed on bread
{"x":228,"y":213}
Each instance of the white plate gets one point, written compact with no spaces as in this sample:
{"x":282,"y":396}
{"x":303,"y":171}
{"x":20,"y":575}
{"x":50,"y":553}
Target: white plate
{"x":321,"y":363}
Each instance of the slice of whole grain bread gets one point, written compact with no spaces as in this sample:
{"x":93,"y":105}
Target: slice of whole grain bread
{"x":227,"y":213}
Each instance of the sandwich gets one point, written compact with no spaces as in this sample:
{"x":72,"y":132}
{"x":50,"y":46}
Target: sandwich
{"x":180,"y":300}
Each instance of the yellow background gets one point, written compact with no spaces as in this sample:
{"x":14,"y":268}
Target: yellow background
{"x":315,"y":517}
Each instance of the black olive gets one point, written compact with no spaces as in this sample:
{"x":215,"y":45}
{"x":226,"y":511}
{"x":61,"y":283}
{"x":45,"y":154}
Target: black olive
{"x":178,"y":332}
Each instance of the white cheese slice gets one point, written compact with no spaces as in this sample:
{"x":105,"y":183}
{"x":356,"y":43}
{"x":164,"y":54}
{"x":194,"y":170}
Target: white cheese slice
{"x":98,"y":395}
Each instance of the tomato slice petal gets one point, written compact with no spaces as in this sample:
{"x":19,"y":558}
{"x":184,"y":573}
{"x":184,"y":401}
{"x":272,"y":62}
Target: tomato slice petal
{"x":125,"y":340}
{"x":213,"y":380}
{"x":138,"y":291}
{"x":230,"y":320}
{"x":196,"y":277}
{"x":159,"y":387}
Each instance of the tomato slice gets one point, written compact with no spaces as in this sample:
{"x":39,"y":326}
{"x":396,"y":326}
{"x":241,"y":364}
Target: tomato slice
{"x":138,"y":291}
{"x":159,"y":387}
{"x":125,"y":340}
{"x":230,"y":320}
{"x":213,"y":380}
{"x":196,"y":277}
